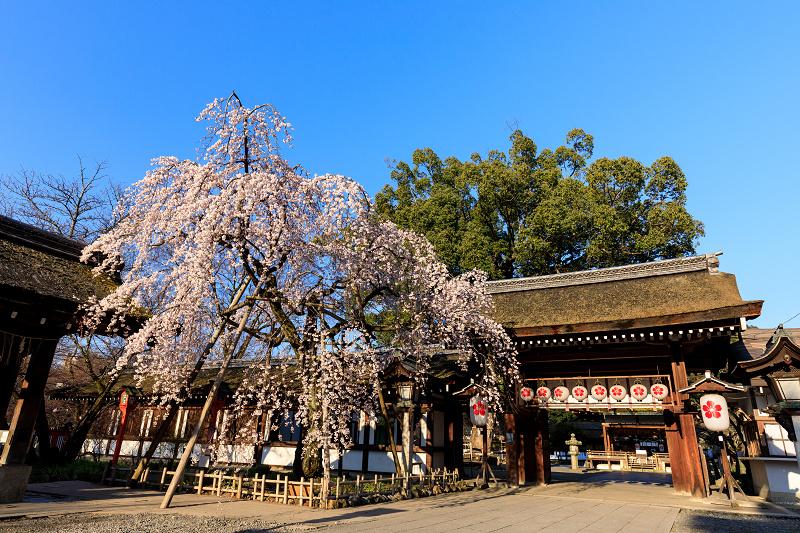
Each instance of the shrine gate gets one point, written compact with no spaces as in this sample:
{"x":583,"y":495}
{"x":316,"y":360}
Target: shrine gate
{"x":633,"y":327}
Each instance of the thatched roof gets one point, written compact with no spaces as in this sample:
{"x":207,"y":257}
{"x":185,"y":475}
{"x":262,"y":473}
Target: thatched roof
{"x":39,"y":268}
{"x":127,"y":380}
{"x":443,"y":369}
{"x":670,"y":292}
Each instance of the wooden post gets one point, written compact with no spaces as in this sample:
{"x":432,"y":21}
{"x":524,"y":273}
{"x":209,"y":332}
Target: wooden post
{"x":375,"y":488}
{"x":212,"y":395}
{"x":310,"y":494}
{"x":200,"y":484}
{"x":239,"y":487}
{"x":687,"y":472}
{"x":219,"y":483}
{"x":286,"y":489}
{"x":20,"y":434}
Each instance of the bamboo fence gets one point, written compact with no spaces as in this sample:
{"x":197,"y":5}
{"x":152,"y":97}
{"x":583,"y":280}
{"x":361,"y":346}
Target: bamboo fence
{"x":280,"y":490}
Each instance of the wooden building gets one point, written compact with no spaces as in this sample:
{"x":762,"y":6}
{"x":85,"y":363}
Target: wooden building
{"x":437,"y":421}
{"x":42,"y":286}
{"x":771,"y":433}
{"x":653,"y":322}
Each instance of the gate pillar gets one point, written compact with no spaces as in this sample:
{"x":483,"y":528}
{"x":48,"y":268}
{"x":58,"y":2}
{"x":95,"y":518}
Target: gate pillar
{"x":527,"y":447}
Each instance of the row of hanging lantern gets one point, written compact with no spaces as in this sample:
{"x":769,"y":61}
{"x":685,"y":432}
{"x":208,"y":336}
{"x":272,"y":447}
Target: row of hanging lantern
{"x":598,"y":391}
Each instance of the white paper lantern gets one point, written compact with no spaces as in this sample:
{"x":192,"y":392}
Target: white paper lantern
{"x":543,"y":393}
{"x":526,"y":393}
{"x":478,"y":411}
{"x":714,"y":412}
{"x":599,"y":392}
{"x":618,"y":392}
{"x":639,"y":392}
{"x":659,"y":391}
{"x":561,"y":393}
{"x":580,"y":393}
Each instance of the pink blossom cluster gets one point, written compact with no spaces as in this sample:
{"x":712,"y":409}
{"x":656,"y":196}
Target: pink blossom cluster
{"x":305,"y":261}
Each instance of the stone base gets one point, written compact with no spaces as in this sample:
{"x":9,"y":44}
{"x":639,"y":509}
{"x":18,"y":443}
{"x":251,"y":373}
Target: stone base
{"x":13,"y":482}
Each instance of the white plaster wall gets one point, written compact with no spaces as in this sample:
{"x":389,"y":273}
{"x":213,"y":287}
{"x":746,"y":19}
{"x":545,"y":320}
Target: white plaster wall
{"x":381,"y":462}
{"x":129,"y":447}
{"x":95,"y":446}
{"x":783,"y":476}
{"x":278,"y":455}
{"x":229,"y":453}
{"x":351,"y":460}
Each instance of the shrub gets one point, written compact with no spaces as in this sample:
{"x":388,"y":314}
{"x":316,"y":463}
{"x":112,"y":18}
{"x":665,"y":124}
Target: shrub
{"x":79,"y":469}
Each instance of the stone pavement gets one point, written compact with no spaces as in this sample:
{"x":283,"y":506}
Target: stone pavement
{"x":601,"y":502}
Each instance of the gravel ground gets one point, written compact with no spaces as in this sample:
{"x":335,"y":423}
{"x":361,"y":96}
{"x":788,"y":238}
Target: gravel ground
{"x":690,"y":521}
{"x":141,"y":523}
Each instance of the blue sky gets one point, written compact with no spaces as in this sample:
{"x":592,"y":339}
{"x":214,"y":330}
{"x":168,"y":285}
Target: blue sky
{"x":714,"y":86}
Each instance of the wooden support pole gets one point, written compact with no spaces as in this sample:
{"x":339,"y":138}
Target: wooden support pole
{"x":20,"y":434}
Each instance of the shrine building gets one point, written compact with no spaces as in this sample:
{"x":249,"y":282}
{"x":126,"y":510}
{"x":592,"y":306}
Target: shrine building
{"x":636,"y":331}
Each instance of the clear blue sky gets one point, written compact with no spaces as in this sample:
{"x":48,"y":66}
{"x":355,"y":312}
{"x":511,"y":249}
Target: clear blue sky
{"x":714,"y":86}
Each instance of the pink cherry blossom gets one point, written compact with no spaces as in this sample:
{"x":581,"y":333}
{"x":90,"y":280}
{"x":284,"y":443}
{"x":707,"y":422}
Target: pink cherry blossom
{"x":303,"y":263}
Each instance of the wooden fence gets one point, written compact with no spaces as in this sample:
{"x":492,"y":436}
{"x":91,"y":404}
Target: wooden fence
{"x":280,"y":490}
{"x":628,"y":461}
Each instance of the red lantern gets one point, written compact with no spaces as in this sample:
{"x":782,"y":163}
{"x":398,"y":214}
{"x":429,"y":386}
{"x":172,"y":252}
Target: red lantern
{"x":526,"y":393}
{"x":618,"y":392}
{"x":580,"y":393}
{"x":599,"y":392}
{"x":478,"y":411}
{"x":659,"y":391}
{"x":561,"y":393}
{"x":543,"y":393}
{"x":639,"y":392}
{"x":714,"y":412}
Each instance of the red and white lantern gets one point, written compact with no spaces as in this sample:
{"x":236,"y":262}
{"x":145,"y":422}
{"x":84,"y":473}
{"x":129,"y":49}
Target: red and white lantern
{"x":526,"y":394}
{"x":580,"y":393}
{"x":639,"y":392}
{"x":617,"y":392}
{"x":714,"y":412}
{"x":561,"y":393}
{"x":543,"y":393}
{"x":478,"y":410}
{"x":599,"y":392}
{"x":659,"y":391}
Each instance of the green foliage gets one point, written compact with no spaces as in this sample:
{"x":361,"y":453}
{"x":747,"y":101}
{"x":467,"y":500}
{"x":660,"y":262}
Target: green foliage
{"x":261,"y":470}
{"x":79,"y":469}
{"x":561,"y":428}
{"x":530,"y":212}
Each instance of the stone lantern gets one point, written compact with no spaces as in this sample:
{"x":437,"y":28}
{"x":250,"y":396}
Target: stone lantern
{"x":573,"y":444}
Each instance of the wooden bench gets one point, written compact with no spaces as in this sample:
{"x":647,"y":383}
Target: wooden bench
{"x":601,"y":457}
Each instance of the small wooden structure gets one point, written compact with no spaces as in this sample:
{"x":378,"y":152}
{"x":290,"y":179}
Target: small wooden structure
{"x":772,"y":435}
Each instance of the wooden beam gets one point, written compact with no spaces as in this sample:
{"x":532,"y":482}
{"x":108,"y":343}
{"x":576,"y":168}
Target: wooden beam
{"x":31,"y":395}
